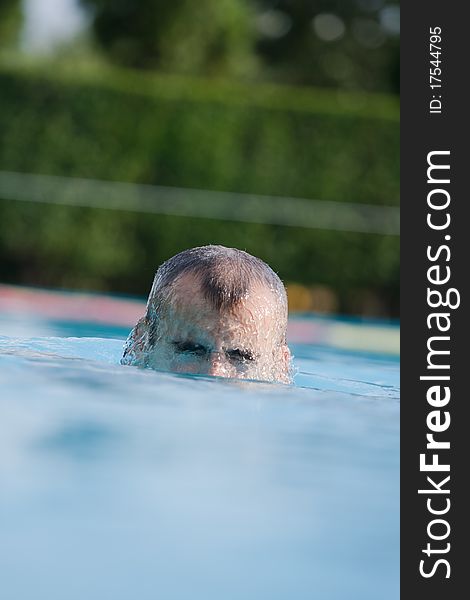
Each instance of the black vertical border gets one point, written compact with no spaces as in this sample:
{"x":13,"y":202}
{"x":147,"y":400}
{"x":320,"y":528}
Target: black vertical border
{"x":422,"y":132}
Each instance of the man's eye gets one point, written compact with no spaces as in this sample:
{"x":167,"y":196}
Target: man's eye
{"x":240,"y":355}
{"x":190,"y":348}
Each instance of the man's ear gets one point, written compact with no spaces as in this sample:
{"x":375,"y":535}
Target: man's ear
{"x":286,"y":364}
{"x":136,"y":344}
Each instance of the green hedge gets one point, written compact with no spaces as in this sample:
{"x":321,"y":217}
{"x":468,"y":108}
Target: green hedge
{"x":170,"y":131}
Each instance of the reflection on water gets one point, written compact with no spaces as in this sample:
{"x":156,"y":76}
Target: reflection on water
{"x":118,"y":482}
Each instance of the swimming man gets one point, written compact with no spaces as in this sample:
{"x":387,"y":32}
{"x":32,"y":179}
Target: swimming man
{"x":214,"y":311}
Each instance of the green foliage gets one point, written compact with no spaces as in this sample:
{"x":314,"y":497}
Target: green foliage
{"x":351,"y":50}
{"x":191,"y":133}
{"x":207,"y":37}
{"x":10,"y":22}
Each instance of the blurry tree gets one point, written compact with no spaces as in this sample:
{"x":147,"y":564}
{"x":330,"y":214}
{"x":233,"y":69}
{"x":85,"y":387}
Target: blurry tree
{"x":352,"y":44}
{"x":208,"y":37}
{"x":10,"y":22}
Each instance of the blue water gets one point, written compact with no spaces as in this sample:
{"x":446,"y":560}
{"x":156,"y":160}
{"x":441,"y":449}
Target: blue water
{"x":117,"y":483}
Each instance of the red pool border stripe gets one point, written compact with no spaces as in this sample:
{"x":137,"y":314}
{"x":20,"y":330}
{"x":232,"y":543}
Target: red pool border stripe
{"x":24,"y":302}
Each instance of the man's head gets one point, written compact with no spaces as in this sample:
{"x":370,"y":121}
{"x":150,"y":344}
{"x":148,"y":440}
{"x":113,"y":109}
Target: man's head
{"x":215,"y":311}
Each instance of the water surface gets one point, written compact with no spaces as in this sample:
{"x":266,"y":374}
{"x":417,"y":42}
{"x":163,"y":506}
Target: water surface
{"x":120,"y":483}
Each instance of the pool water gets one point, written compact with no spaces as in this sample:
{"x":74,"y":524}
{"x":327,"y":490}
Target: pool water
{"x":119,"y":483}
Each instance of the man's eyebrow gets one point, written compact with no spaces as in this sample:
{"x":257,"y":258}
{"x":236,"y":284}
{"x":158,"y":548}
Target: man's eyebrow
{"x":240,"y":352}
{"x":188,"y":344}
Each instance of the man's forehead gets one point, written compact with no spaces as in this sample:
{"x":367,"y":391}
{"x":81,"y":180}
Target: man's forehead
{"x":253,"y":324}
{"x":187,"y":292}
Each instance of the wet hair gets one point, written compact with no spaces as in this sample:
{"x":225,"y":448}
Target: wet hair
{"x":226,"y":276}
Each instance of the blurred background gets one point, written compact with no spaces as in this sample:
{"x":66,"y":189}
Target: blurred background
{"x":133,"y":130}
